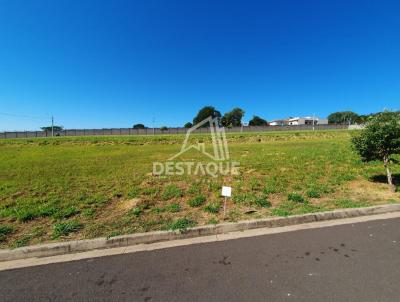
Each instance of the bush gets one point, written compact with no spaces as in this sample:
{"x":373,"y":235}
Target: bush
{"x":65,"y":228}
{"x":295,"y":197}
{"x":197,"y":201}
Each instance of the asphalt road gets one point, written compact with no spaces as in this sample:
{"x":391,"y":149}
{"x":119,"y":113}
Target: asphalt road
{"x":359,"y":262}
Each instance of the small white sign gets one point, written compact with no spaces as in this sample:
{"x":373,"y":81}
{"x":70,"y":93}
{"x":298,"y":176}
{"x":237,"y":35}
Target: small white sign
{"x":226,"y":191}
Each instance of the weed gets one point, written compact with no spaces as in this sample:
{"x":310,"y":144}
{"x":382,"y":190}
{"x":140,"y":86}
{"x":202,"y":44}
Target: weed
{"x":66,"y":213}
{"x":262,"y":202}
{"x":134,"y":192}
{"x":88,"y":213}
{"x":269,"y":190}
{"x":212,"y":207}
{"x":347,"y":203}
{"x":4,"y":231}
{"x":197,"y":201}
{"x":65,"y":228}
{"x":173,"y":208}
{"x":23,"y":241}
{"x":113,"y":234}
{"x":212,"y":221}
{"x":313,"y":193}
{"x":280,"y":212}
{"x":136,"y":211}
{"x":296,"y":198}
{"x":182,"y":224}
{"x":233,"y":215}
{"x":194,"y":189}
{"x":171,"y":191}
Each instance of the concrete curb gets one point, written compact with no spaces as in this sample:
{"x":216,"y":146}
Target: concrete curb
{"x":52,"y":249}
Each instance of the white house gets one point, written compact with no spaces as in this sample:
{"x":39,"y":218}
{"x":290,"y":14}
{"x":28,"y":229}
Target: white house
{"x":279,"y":123}
{"x":308,"y":120}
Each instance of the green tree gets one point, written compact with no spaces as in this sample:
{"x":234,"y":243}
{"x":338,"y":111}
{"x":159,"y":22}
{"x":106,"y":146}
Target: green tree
{"x":188,"y":125}
{"x":233,"y":118}
{"x":258,"y":121}
{"x":55,"y":128}
{"x":380,"y":140}
{"x":343,"y":117}
{"x":204,"y":113}
{"x":164,"y":128}
{"x":139,"y":126}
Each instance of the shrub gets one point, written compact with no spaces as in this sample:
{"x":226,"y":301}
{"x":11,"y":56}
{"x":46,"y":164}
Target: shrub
{"x":197,"y":201}
{"x":379,"y":140}
{"x":65,"y":228}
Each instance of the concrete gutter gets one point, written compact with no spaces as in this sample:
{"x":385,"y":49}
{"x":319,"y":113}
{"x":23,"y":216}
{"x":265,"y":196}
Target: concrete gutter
{"x":60,"y":248}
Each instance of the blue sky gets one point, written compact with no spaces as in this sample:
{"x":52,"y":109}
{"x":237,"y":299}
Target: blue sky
{"x":95,"y":64}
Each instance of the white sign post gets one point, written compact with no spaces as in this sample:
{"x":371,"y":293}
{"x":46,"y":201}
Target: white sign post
{"x":226,"y":192}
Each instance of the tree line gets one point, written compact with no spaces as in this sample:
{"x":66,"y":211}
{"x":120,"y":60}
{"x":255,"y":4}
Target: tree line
{"x":234,"y":117}
{"x":351,"y":118}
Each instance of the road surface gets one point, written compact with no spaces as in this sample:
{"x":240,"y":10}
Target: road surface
{"x":353,"y":262}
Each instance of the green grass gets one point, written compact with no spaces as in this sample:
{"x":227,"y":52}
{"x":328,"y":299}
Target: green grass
{"x":49,"y":182}
{"x":66,"y":228}
{"x":212,"y":207}
{"x":346,"y":203}
{"x":182,"y":224}
{"x":197,"y":201}
{"x":4,"y":231}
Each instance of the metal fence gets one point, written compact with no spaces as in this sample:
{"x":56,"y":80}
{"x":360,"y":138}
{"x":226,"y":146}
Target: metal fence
{"x":158,"y":131}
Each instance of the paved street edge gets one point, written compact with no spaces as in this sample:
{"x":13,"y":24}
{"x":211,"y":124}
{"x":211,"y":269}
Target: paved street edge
{"x":60,"y":248}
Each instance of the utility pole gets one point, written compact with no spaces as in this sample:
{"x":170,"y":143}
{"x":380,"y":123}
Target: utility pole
{"x":313,"y":122}
{"x":52,"y":126}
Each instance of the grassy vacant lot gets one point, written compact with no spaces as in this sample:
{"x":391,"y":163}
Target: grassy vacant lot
{"x":85,"y":187}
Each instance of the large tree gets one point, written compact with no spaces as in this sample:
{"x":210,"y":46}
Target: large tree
{"x":204,"y":113}
{"x":55,"y":128}
{"x":343,"y":117}
{"x":233,"y":118}
{"x":258,"y":121}
{"x":380,"y":140}
{"x":139,"y":126}
{"x":188,"y":125}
